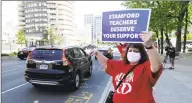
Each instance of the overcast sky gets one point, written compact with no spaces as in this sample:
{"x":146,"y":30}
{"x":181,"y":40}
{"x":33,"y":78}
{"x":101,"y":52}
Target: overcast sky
{"x":10,"y":14}
{"x":93,"y":7}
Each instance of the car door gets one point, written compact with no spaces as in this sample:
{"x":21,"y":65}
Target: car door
{"x":85,"y":59}
{"x":78,"y":62}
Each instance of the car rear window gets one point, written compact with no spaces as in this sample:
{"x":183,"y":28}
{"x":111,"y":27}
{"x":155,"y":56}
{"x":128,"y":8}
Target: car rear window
{"x":47,"y":54}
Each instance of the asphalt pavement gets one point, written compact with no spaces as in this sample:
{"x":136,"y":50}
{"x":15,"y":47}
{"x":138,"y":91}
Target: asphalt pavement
{"x":16,"y":90}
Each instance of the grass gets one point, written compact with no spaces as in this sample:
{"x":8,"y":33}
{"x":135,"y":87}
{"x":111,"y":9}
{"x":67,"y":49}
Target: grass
{"x":10,"y":54}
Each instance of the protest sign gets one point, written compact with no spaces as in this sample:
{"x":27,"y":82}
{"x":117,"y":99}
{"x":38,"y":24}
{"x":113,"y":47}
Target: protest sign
{"x":125,"y":25}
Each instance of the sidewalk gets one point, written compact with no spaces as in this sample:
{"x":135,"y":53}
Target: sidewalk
{"x":174,"y":86}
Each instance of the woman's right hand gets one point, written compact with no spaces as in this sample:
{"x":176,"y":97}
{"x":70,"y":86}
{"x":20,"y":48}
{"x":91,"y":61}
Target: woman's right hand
{"x":100,"y":57}
{"x":93,"y":53}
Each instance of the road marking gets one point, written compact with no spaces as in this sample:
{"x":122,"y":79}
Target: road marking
{"x":18,"y":67}
{"x":14,"y":88}
{"x":106,"y":90}
{"x":36,"y":101}
{"x":18,"y":62}
{"x":8,"y":70}
{"x":84,"y":97}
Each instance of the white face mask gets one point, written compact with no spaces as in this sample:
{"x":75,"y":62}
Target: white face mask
{"x":133,"y":57}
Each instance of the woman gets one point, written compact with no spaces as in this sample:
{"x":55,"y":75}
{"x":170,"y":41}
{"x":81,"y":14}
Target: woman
{"x":171,"y":53}
{"x":172,"y":56}
{"x":137,"y":87}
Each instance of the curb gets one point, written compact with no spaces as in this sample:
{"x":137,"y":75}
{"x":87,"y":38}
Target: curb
{"x":8,"y":57}
{"x":106,"y":91}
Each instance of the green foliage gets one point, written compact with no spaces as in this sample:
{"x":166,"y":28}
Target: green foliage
{"x":189,"y":37}
{"x":13,"y":54}
{"x":52,"y":36}
{"x":10,"y":54}
{"x":20,"y":37}
{"x":166,"y":15}
{"x":154,"y":37}
{"x":159,"y":12}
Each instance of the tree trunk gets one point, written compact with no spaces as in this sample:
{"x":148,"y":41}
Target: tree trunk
{"x":179,"y":27}
{"x":185,"y":33}
{"x":167,"y":38}
{"x":162,"y":40}
{"x":158,"y":41}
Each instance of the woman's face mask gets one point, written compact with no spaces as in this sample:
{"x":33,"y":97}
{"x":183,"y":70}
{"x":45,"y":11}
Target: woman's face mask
{"x":133,"y":55}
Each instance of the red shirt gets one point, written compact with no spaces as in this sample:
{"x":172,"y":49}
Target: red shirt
{"x":137,"y":87}
{"x":121,"y":48}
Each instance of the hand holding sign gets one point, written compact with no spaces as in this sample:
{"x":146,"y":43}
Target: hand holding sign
{"x":147,"y":38}
{"x":125,"y":25}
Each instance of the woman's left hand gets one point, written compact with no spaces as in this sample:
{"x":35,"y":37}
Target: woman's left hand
{"x":147,"y":39}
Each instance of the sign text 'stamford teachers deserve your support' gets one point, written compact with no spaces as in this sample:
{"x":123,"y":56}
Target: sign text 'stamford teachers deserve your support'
{"x":125,"y":25}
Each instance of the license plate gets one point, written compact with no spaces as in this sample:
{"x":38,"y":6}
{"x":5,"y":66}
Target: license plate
{"x":43,"y":67}
{"x":21,"y":52}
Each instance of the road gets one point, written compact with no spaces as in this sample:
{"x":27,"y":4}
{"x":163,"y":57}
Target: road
{"x":16,"y":90}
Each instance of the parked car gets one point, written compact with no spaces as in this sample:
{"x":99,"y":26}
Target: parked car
{"x":22,"y":54}
{"x":58,"y":66}
{"x":106,"y":51}
{"x":188,"y":47}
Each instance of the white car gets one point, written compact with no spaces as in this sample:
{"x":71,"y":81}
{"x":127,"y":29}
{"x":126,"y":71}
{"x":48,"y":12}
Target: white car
{"x":115,"y":49}
{"x":189,"y":47}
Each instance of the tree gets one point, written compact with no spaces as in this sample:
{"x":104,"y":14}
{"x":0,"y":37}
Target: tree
{"x":51,"y":36}
{"x":189,"y":37}
{"x":20,"y":37}
{"x":182,"y":7}
{"x":159,"y":20}
{"x":165,"y":17}
{"x":154,"y":38}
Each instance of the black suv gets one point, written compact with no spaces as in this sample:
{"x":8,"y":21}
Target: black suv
{"x":58,"y":66}
{"x":24,"y":52}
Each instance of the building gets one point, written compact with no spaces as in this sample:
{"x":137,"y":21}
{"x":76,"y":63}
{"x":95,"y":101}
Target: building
{"x":89,"y":20}
{"x":9,"y":26}
{"x":36,"y":16}
{"x":97,"y":28}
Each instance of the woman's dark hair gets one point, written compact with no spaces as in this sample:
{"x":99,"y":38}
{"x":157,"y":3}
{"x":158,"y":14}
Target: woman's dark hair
{"x":140,"y":47}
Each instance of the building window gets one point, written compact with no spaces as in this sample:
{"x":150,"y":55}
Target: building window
{"x":44,"y":14}
{"x":52,"y":14}
{"x":61,"y":19}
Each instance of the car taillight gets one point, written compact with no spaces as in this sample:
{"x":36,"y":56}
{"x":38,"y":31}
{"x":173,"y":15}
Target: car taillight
{"x":65,"y":60}
{"x":28,"y":60}
{"x":29,"y":56}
